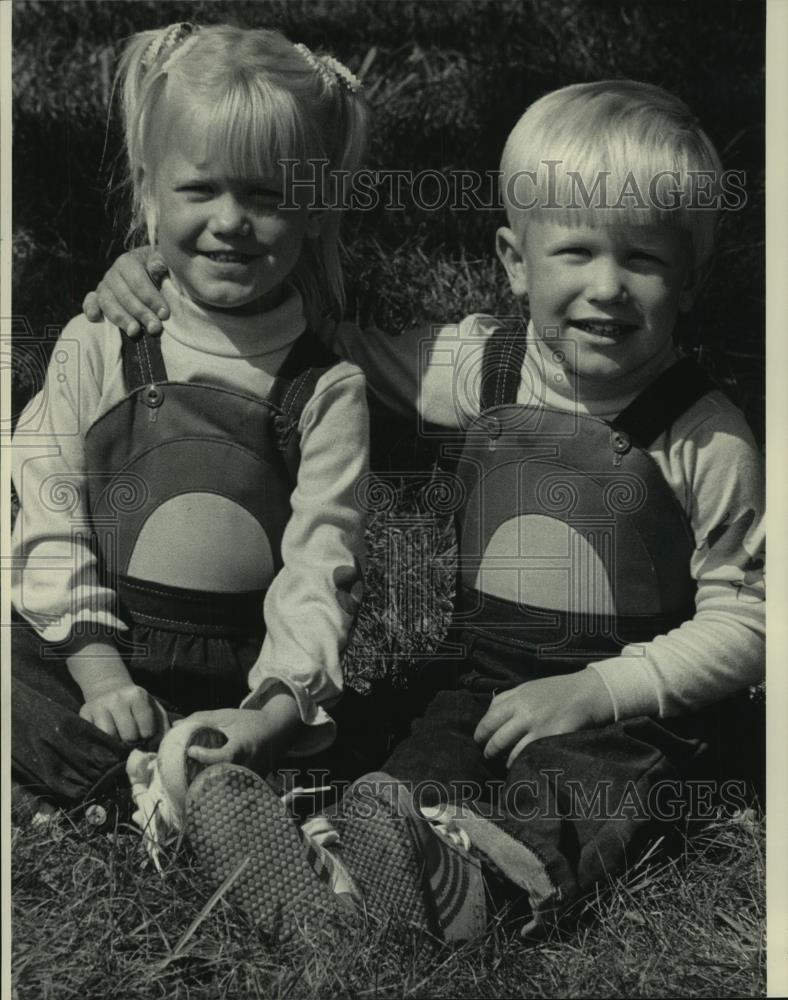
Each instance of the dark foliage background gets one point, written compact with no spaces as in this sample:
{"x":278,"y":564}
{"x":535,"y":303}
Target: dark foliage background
{"x":447,"y":82}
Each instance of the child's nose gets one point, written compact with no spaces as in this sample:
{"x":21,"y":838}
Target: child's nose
{"x":607,"y":281}
{"x":229,"y":216}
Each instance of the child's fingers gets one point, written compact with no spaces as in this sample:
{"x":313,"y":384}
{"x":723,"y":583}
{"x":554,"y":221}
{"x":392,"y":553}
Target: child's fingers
{"x":211,"y":755}
{"x":123,"y":307}
{"x":102,"y":719}
{"x":519,"y":747}
{"x":91,"y":308}
{"x":125,"y":725}
{"x":504,"y":737}
{"x":496,"y":715}
{"x":144,"y":717}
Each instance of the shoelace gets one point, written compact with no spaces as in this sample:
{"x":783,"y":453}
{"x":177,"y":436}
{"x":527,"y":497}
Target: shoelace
{"x":446,"y":827}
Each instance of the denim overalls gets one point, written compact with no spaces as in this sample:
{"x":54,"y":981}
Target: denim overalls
{"x":191,"y":648}
{"x":580,"y":805}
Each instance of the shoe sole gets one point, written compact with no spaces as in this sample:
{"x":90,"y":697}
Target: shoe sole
{"x":237,"y":825}
{"x":377,"y":822}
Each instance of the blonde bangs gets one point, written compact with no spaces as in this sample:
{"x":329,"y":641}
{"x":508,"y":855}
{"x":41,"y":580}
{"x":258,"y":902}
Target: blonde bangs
{"x":251,"y":128}
{"x":627,"y":155}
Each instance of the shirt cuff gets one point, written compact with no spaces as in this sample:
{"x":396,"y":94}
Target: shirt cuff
{"x":630,"y":690}
{"x":322,"y":729}
{"x":63,"y":629}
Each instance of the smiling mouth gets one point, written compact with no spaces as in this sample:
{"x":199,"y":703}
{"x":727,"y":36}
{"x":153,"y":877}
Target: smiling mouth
{"x":228,"y":256}
{"x":603,"y":328}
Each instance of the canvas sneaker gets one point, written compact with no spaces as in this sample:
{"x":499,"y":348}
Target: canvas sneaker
{"x":424,"y":874}
{"x":376,"y":857}
{"x":245,"y":838}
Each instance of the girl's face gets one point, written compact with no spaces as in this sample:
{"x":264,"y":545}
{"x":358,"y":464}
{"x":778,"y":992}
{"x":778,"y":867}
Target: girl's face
{"x":227,"y":244}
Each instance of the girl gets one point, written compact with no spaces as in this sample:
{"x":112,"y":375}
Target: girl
{"x":188,"y":535}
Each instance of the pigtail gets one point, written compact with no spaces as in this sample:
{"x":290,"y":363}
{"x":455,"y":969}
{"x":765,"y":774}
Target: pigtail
{"x":142,"y":71}
{"x":343,"y":91}
{"x":348,"y":157}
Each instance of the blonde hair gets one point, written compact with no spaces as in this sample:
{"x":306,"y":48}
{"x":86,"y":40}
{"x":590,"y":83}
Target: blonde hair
{"x":613,"y":152}
{"x":259,"y":100}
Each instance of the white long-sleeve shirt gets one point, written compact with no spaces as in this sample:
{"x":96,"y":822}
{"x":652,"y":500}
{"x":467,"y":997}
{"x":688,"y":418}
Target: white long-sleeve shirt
{"x":55,"y":580}
{"x":709,"y":459}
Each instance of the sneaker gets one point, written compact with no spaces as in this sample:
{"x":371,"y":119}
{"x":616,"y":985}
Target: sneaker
{"x":420,"y":874}
{"x":387,"y":862}
{"x":176,"y":768}
{"x":244,"y":837}
{"x":159,"y":781}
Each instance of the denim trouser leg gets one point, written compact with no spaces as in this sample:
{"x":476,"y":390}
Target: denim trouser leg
{"x":588,"y":803}
{"x":58,"y":755}
{"x":585,"y":804}
{"x":54,"y":752}
{"x":440,"y":760}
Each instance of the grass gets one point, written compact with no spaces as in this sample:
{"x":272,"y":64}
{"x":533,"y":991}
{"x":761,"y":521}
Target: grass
{"x":93,"y":919}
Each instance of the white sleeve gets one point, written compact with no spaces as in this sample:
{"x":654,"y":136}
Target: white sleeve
{"x":433,"y":371}
{"x":312,"y":603}
{"x":55,"y":583}
{"x":717,"y":473}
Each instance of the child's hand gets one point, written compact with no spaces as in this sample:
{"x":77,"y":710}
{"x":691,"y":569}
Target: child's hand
{"x":256,"y":737}
{"x":128,"y":713}
{"x":545,"y":707}
{"x":127,"y":295}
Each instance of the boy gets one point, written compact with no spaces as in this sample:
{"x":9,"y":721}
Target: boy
{"x":610,"y":583}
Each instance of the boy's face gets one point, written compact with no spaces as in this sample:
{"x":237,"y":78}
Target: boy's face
{"x":614,"y":291}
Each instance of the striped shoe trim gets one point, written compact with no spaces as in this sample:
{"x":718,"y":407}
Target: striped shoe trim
{"x":449,"y":901}
{"x":401,"y":862}
{"x":513,"y":858}
{"x":316,"y":862}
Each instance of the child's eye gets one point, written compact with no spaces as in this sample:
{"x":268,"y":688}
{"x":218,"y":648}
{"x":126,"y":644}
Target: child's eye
{"x":576,"y":251}
{"x":644,"y":258}
{"x":197,"y":189}
{"x":267,"y":195}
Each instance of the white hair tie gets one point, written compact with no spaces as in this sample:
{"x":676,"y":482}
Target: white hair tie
{"x":331,"y":70}
{"x":176,"y":39}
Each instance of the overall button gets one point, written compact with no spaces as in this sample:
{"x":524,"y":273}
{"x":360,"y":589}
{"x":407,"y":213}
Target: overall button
{"x":153,"y":396}
{"x":494,"y":427}
{"x":620,"y":442}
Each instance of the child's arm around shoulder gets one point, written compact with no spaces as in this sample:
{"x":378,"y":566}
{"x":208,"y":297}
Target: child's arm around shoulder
{"x":426,"y":370}
{"x":429,"y":370}
{"x":311,"y":605}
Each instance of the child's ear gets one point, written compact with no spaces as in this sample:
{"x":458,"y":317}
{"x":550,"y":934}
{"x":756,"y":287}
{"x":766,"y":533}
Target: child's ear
{"x":315,"y":220}
{"x":507,"y":246}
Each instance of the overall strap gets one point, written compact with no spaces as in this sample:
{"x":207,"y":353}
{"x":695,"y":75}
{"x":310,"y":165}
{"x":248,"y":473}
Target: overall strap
{"x":502,"y":363}
{"x":663,"y":401}
{"x":143,"y":363}
{"x":296,"y":379}
{"x":293,"y":387}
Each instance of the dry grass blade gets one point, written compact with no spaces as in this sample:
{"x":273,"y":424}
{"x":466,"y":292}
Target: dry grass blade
{"x":215,"y":897}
